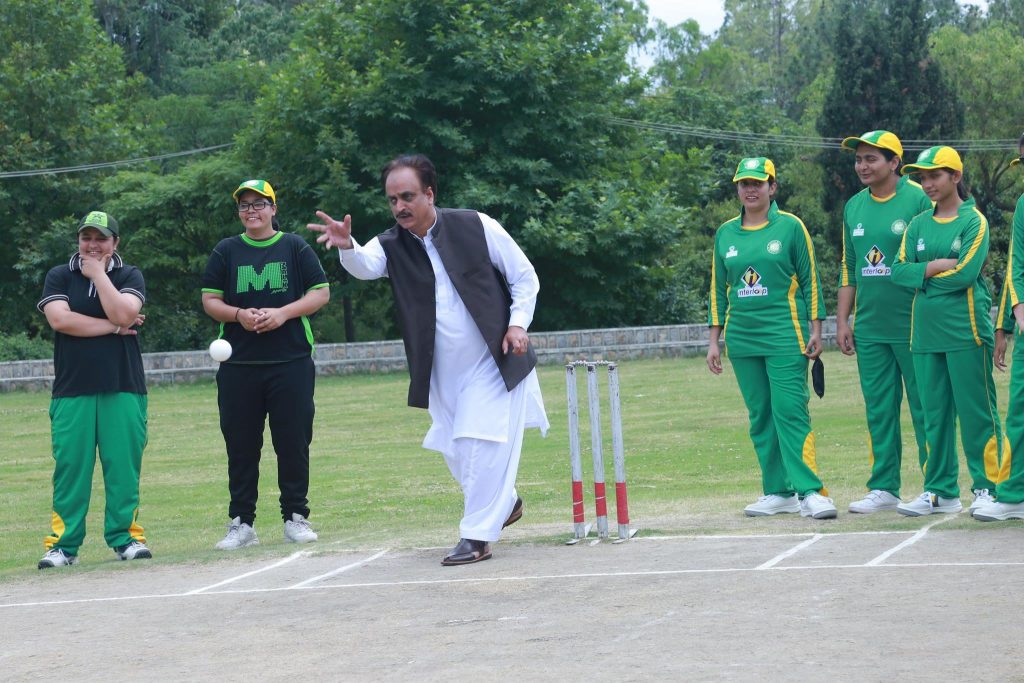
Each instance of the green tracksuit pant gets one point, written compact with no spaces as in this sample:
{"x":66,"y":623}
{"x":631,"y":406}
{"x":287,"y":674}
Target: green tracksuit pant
{"x":884,"y":369}
{"x":775,"y":391}
{"x":958,"y":385}
{"x":115,"y":424}
{"x":1011,"y":487}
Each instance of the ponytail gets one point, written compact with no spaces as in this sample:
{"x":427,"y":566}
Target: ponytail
{"x":961,"y":190}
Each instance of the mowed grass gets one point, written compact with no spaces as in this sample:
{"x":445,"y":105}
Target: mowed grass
{"x":689,"y":462}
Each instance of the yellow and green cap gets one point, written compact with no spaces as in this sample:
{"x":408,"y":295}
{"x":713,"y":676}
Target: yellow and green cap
{"x":935,"y":157}
{"x":882,"y":139}
{"x":101,"y":221}
{"x":757,"y":168}
{"x":259,"y":187}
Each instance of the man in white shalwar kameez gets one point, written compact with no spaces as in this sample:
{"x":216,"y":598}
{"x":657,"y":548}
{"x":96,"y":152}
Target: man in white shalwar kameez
{"x":478,"y":413}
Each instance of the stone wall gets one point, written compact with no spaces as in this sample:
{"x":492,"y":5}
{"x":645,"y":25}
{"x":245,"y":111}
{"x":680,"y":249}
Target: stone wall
{"x":389,"y":356}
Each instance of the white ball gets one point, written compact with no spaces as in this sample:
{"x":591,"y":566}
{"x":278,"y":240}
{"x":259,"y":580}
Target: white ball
{"x":220,"y":350}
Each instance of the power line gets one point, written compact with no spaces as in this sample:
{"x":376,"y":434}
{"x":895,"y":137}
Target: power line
{"x":804,"y":141}
{"x":109,"y":164}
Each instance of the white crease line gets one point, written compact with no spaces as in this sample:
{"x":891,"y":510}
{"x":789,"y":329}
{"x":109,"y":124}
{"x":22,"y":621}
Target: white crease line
{"x":907,"y":543}
{"x":293,"y":556}
{"x":789,"y":553}
{"x":339,"y":570}
{"x":769,"y":536}
{"x":542,"y":577}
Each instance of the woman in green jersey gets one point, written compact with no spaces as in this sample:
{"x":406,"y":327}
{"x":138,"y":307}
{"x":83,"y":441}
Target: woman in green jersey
{"x":99,"y":403}
{"x":1009,"y":493}
{"x":765,"y":294}
{"x":874,"y":221}
{"x":951,"y":340}
{"x":262,"y":286}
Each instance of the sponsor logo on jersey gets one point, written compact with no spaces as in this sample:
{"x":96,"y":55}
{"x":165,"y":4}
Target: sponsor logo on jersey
{"x":955,"y":247}
{"x":859,"y":230}
{"x":876,"y":264}
{"x":774,"y":247}
{"x":732,"y":252}
{"x":898,"y":227}
{"x":751,"y":284}
{"x":920,"y":244}
{"x":273,"y":277}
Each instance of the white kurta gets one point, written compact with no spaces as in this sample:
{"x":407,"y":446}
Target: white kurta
{"x":476,"y":423}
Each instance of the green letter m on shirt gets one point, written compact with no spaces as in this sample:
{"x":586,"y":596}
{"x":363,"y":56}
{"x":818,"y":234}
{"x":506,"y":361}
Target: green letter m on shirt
{"x":274,"y":276}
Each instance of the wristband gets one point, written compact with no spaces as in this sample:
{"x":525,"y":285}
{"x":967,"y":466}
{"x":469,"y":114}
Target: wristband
{"x":236,"y":313}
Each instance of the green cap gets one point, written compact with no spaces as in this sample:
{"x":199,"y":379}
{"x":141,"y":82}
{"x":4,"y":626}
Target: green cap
{"x":935,"y":157}
{"x":101,"y":221}
{"x":259,"y":187}
{"x":882,"y":139}
{"x":758,"y":168}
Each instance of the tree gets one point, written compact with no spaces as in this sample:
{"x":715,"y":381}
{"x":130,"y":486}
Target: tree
{"x":509,"y":99}
{"x":884,"y":77}
{"x":62,"y":88}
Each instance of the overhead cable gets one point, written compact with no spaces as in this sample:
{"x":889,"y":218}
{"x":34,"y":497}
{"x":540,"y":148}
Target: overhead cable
{"x":805,"y":141}
{"x":109,"y":164}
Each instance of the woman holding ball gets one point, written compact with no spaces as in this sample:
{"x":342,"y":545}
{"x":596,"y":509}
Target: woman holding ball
{"x":262,"y":286}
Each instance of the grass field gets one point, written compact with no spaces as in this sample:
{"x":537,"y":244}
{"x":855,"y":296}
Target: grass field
{"x":689,"y":462}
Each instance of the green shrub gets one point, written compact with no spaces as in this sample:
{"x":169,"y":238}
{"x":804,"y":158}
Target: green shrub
{"x":22,"y":347}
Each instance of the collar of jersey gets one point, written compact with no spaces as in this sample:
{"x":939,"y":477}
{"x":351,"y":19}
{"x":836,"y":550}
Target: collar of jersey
{"x":773,"y":212}
{"x":262,"y":243}
{"x":75,"y":264}
{"x":967,"y":206}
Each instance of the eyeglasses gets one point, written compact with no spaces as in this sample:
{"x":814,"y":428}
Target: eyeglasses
{"x":258,"y":205}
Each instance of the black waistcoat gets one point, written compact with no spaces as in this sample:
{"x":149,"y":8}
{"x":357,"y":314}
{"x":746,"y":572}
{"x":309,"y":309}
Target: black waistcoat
{"x":459,"y":239}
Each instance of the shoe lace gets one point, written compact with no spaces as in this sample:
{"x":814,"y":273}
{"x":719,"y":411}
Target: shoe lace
{"x":982,"y":494}
{"x":233,"y":531}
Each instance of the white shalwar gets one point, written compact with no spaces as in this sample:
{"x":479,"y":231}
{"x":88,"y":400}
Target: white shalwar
{"x":477,"y":423}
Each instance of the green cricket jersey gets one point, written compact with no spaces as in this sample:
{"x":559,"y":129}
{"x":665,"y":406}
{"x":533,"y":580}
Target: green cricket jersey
{"x":1013,"y":283}
{"x":951,"y":309}
{"x":872,"y":231}
{"x":764,"y":285}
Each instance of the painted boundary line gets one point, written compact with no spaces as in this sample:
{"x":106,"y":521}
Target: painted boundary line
{"x":525,"y":578}
{"x":339,"y":570}
{"x":293,"y":556}
{"x":907,"y":543}
{"x":789,"y":553}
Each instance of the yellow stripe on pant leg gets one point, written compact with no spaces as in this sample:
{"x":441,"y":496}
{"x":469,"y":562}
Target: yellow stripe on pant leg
{"x":135,"y":530}
{"x":992,"y":466}
{"x":1005,"y":463}
{"x":810,"y":456}
{"x":57,"y":525}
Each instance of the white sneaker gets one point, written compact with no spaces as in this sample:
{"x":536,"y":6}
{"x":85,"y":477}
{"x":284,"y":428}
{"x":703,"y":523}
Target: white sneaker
{"x":994,"y":511}
{"x":772,"y":504}
{"x":817,"y":506}
{"x":239,"y":536}
{"x":927,"y":503}
{"x":298,"y":530}
{"x":981,"y":497}
{"x":136,"y":550}
{"x":55,"y":557}
{"x":876,"y":500}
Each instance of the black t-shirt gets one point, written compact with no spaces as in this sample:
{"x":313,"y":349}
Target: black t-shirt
{"x":109,"y":363}
{"x":265,"y":274}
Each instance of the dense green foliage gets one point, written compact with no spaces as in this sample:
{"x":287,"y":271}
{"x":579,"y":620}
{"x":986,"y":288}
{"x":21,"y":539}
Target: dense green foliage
{"x":522,"y":104}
